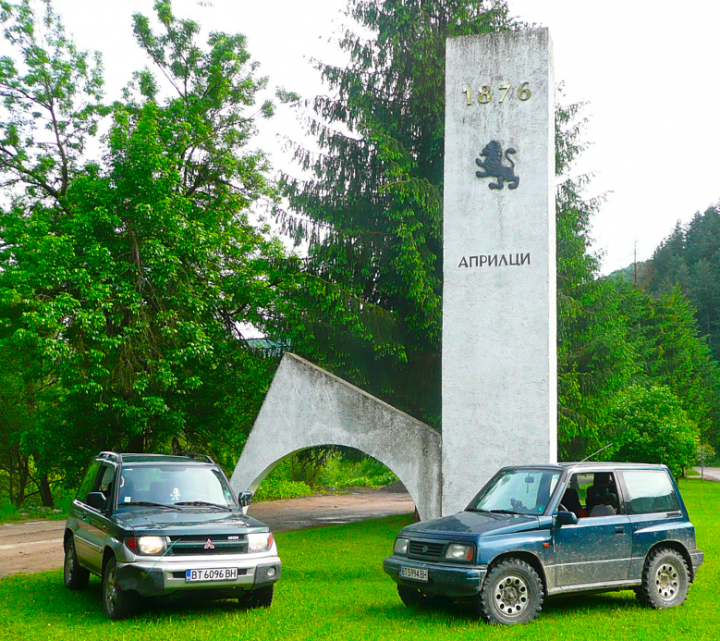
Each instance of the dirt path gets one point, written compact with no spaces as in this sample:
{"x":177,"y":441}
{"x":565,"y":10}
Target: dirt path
{"x":30,"y":546}
{"x":36,"y":546}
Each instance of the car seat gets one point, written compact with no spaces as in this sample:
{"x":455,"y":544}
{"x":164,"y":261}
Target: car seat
{"x":600,"y":493}
{"x":602,"y":510}
{"x":571,"y":500}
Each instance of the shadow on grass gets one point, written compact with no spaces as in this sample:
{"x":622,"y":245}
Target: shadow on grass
{"x":565,"y":606}
{"x":46,"y":593}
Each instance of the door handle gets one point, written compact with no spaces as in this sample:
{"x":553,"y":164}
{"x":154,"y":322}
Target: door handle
{"x":619,"y":530}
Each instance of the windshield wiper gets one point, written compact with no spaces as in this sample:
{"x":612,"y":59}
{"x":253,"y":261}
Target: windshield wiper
{"x":204,"y":504}
{"x":149,"y":504}
{"x":503,"y":512}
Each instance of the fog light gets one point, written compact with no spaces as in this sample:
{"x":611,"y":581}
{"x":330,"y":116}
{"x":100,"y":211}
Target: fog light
{"x":271,"y":572}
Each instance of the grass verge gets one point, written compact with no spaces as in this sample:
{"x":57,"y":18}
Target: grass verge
{"x":333,"y":587}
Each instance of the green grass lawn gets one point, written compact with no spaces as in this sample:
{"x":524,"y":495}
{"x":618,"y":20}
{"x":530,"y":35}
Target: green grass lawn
{"x":333,"y":587}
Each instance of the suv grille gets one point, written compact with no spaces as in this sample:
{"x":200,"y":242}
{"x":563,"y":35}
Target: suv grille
{"x":425,"y":549}
{"x":198,"y":545}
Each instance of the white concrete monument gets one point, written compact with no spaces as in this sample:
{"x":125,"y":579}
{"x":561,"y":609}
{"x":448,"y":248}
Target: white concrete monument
{"x":499,"y":380}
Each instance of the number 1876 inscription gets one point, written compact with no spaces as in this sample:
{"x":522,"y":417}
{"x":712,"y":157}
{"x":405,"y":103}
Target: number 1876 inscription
{"x":485,"y":93}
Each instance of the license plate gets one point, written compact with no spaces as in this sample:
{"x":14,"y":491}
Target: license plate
{"x":413,"y":573}
{"x":216,"y":574}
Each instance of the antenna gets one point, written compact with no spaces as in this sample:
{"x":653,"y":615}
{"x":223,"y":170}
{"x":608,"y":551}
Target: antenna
{"x":634,"y":264}
{"x":598,"y":452}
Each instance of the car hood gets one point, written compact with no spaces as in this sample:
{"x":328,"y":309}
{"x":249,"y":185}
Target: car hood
{"x":189,"y":522}
{"x":473,"y":524}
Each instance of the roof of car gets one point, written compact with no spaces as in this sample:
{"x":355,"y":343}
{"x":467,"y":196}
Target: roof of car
{"x":649,"y":466}
{"x":594,"y":465}
{"x":609,"y":465}
{"x":137,"y":458}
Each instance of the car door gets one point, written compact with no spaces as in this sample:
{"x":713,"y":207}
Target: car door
{"x":594,"y":551}
{"x":653,"y":509}
{"x":78,"y":521}
{"x":96,"y":522}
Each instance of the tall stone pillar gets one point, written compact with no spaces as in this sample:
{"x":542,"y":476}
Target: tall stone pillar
{"x":499,"y":379}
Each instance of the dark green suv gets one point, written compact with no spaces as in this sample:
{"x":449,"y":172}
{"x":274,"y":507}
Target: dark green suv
{"x":159,"y":526}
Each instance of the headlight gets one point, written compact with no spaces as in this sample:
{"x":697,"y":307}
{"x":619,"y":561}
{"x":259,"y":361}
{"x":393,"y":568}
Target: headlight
{"x":147,"y":545}
{"x":458,"y":552}
{"x":401,"y":546}
{"x":259,"y":542}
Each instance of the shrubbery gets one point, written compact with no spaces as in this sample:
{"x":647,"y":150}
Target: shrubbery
{"x":652,"y":427}
{"x":336,"y":471}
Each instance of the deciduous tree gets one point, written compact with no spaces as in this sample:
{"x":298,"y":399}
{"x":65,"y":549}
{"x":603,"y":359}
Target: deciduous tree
{"x":131,"y":278}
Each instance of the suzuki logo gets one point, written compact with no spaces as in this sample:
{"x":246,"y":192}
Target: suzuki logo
{"x":209,"y":545}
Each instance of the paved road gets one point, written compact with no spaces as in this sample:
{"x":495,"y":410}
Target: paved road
{"x":36,"y":546}
{"x":710,"y":473}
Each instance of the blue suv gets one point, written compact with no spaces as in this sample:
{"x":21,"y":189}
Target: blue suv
{"x":543,"y":530}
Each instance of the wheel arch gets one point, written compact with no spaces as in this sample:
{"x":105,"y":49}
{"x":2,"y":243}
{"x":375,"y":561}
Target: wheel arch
{"x":66,"y":537}
{"x":523,"y":555}
{"x":680,"y":549}
{"x":108,"y":553}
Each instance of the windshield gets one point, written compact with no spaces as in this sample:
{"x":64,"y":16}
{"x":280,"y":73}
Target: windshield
{"x":517,"y":491}
{"x":174,"y":485}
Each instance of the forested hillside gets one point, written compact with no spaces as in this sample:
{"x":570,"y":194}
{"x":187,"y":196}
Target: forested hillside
{"x":689,"y":258}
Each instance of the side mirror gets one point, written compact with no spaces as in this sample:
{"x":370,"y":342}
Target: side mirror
{"x":244,"y":499}
{"x":565,"y":518}
{"x":97,"y":501}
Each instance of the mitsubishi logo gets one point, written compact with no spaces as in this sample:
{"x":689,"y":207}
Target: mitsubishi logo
{"x":209,"y":545}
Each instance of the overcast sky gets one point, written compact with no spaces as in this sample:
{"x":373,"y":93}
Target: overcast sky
{"x":648,"y":69}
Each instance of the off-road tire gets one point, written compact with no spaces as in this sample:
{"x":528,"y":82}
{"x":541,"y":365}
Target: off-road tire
{"x":665,"y":580}
{"x":75,"y":577}
{"x":260,"y":597}
{"x":511,"y":593}
{"x":117,"y":603}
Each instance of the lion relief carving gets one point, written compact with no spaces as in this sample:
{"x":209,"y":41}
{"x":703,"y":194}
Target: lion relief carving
{"x":494,"y":168}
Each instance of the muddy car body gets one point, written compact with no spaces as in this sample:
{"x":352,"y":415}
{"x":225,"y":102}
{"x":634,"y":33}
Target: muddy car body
{"x":538,"y":531}
{"x":163,"y":526}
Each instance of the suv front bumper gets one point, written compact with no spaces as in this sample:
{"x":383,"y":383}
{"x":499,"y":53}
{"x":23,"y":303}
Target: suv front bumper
{"x":153,"y":576}
{"x":443,"y":578}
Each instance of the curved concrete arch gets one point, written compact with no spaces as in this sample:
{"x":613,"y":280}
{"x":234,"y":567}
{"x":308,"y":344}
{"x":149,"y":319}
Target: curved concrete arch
{"x":309,"y":407}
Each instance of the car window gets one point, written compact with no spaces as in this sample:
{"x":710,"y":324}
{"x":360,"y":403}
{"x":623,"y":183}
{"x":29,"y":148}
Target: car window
{"x":649,"y":491}
{"x":171,"y":484}
{"x":88,"y":481}
{"x":106,"y":479}
{"x":519,"y":491}
{"x":592,"y":494}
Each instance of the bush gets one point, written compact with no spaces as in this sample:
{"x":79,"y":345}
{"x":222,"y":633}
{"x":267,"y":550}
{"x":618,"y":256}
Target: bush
{"x":650,"y":426}
{"x":278,"y":489}
{"x":341,"y":471}
{"x":338,"y":471}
